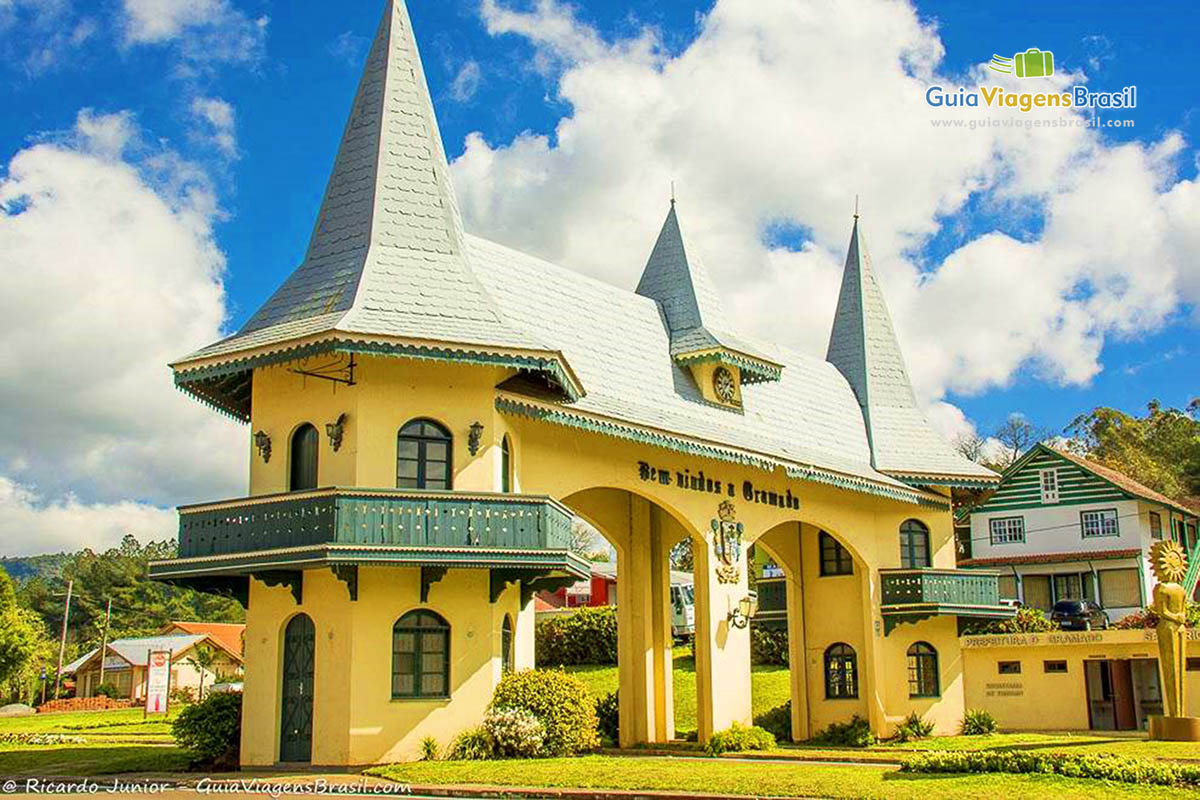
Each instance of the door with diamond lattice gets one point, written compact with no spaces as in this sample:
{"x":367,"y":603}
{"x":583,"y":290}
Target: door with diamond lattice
{"x":299,"y":644}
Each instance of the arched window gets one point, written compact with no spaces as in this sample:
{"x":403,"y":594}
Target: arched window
{"x":423,"y":456}
{"x":841,"y":672}
{"x":506,"y":466}
{"x":923,"y":671}
{"x":914,"y":545}
{"x":421,"y":656}
{"x":506,"y":645}
{"x":305,"y":445}
{"x":835,"y":559}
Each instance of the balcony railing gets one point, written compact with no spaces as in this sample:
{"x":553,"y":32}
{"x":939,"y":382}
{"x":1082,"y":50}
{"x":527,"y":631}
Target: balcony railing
{"x":395,"y":517}
{"x":909,"y":595}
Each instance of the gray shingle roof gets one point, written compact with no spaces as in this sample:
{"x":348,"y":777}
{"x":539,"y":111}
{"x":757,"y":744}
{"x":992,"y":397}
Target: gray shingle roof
{"x":137,"y":650}
{"x":386,"y":254}
{"x":389,"y":260}
{"x":675,"y":277}
{"x":863,"y":346}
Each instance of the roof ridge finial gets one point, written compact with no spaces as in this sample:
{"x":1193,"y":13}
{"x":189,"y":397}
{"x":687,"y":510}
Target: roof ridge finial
{"x":856,"y":206}
{"x":672,"y":194}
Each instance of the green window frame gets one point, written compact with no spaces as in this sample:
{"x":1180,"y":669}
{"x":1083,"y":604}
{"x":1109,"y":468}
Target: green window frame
{"x":914,"y":545}
{"x":923,"y":680}
{"x":835,"y":559}
{"x":841,"y":672}
{"x":421,"y":656}
{"x":506,"y":465}
{"x":1095,"y":523}
{"x":424,"y":456}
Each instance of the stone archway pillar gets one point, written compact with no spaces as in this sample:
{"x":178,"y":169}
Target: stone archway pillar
{"x":722,"y":650}
{"x":870,"y":679}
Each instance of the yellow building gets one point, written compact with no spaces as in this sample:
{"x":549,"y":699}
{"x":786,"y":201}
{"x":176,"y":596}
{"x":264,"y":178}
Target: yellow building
{"x":428,"y":410}
{"x":1071,"y":680}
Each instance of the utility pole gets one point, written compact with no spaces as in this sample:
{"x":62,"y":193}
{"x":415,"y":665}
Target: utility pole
{"x":62,"y":644}
{"x":104,"y":640}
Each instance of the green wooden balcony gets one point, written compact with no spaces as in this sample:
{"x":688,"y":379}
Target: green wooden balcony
{"x":274,"y":537}
{"x":910,"y":595}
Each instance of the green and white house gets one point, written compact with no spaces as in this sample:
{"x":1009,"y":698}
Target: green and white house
{"x":1061,"y":527}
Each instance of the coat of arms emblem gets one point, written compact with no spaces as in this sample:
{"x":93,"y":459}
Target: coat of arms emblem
{"x":727,"y":543}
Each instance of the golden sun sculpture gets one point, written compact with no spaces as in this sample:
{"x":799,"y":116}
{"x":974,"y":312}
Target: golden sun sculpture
{"x":1168,"y":561}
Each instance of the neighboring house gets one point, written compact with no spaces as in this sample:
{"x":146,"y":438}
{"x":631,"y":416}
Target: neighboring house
{"x":1060,"y":526}
{"x":125,"y":663}
{"x":228,"y":634}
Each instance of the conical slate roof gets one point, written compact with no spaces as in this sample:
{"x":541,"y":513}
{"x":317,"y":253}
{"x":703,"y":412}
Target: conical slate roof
{"x":386,"y":257}
{"x":676,"y":278}
{"x":863,"y":346}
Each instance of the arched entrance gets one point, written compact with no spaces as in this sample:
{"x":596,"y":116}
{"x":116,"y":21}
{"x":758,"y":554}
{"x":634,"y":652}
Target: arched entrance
{"x":296,"y":719}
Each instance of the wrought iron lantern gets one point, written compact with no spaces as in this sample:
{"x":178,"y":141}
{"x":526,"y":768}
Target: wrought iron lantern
{"x":335,"y":430}
{"x":475,"y":438}
{"x":747,"y":607}
{"x":262,"y":440}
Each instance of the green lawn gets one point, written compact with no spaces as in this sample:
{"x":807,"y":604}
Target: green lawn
{"x":723,"y":776}
{"x":768,"y":686}
{"x":117,"y":741}
{"x":1125,"y":744}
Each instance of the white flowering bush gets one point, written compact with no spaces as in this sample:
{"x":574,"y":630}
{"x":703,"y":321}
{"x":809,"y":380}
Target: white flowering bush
{"x":515,"y":733}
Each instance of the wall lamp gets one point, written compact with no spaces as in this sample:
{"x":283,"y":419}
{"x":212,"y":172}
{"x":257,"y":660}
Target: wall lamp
{"x":335,"y":430}
{"x":746,"y":608}
{"x":262,"y":440}
{"x":475,"y":438}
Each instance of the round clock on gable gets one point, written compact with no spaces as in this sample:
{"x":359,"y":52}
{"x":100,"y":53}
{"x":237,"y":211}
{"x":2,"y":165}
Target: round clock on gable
{"x":724,"y":385}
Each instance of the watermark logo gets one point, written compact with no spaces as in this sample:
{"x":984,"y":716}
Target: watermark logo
{"x":1033,"y":63}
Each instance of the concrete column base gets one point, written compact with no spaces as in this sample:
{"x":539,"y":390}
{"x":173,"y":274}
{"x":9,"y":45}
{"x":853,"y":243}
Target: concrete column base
{"x":1175,"y":729}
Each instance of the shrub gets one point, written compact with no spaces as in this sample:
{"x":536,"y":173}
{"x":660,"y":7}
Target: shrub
{"x":738,"y":739}
{"x":560,"y":701}
{"x":913,"y":727}
{"x":1147,"y":618}
{"x":1121,"y":769}
{"x":977,"y":722}
{"x":473,"y":744}
{"x":855,"y":733}
{"x":515,"y":733}
{"x":107,"y":690}
{"x":585,"y":636}
{"x":211,"y":729}
{"x":182,"y":695}
{"x":429,"y":749}
{"x":778,"y":721}
{"x":769,"y":646}
{"x":1027,"y":620}
{"x":608,"y":713}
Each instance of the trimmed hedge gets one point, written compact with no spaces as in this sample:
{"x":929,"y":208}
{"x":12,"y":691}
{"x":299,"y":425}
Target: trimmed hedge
{"x":585,"y":636}
{"x":855,"y":733}
{"x":561,"y":702}
{"x":739,"y":739}
{"x":1027,"y":620}
{"x":211,"y":730}
{"x":778,"y":721}
{"x":769,"y":646}
{"x":608,"y":711}
{"x":1121,"y":769}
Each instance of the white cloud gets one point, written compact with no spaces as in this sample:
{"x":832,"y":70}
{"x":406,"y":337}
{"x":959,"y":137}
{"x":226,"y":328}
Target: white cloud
{"x":348,"y":47}
{"x":466,"y":82}
{"x":219,"y":118}
{"x":756,"y":129}
{"x":111,"y":271}
{"x":206,"y":30}
{"x":29,"y":524}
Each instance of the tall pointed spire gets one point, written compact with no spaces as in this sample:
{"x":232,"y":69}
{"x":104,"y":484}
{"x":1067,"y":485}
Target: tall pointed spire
{"x":676,"y":278}
{"x":387,"y":255}
{"x":864,"y":348}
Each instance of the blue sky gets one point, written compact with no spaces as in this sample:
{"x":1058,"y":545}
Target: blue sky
{"x":286,"y":72}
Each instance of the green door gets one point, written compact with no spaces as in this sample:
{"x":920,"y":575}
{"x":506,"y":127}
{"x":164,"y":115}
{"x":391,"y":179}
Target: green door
{"x":299,"y":643}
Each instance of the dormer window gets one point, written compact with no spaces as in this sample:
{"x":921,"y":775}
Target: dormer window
{"x":1049,"y":479}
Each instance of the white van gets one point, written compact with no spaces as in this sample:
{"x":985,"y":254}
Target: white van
{"x":683,"y":611}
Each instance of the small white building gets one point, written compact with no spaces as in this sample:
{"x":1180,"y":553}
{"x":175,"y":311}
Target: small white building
{"x":1063,"y":527}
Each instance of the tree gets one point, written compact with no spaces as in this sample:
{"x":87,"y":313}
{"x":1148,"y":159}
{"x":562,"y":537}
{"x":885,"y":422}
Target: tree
{"x":20,"y":634}
{"x":1016,"y":435}
{"x":681,"y":557}
{"x":584,"y":538}
{"x":1160,"y":450}
{"x":971,"y":445}
{"x":203,"y":658}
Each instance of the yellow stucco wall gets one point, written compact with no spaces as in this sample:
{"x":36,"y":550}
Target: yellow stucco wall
{"x":613,"y":483}
{"x":1037,"y":700}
